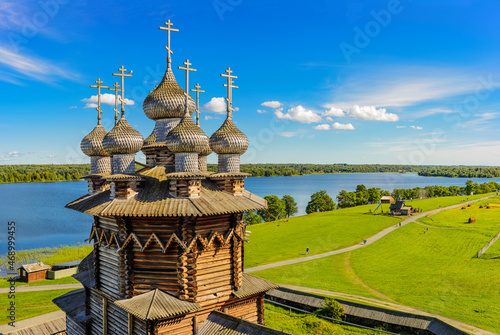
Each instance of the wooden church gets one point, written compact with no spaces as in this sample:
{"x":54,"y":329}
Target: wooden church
{"x":168,"y":239}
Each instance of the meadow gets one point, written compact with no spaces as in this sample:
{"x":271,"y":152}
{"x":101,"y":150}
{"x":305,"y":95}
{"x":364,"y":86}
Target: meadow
{"x":304,"y":324}
{"x":435,"y":271}
{"x":320,"y":232}
{"x":30,"y":304}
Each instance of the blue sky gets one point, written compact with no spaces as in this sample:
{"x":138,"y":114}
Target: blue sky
{"x":347,"y":81}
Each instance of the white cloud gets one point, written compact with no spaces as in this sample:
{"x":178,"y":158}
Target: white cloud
{"x":261,"y":111}
{"x":322,"y":127}
{"x":406,"y":85}
{"x":432,"y":111}
{"x":272,"y":104}
{"x":335,"y":126}
{"x":216,"y":105}
{"x":400,"y":127}
{"x":416,"y":127}
{"x":292,"y":133}
{"x":371,"y":113}
{"x":480,"y":119}
{"x":329,"y":119}
{"x":73,"y":107}
{"x":298,"y":114}
{"x":334,"y":112}
{"x":25,"y":67}
{"x":106,"y":98}
{"x":347,"y":126}
{"x":208,"y":117}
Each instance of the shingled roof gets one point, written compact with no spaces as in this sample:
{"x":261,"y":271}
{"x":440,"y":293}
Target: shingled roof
{"x":156,"y":304}
{"x":35,"y":267}
{"x":252,"y":285}
{"x":73,"y":304}
{"x":155,"y":200}
{"x":221,"y":323}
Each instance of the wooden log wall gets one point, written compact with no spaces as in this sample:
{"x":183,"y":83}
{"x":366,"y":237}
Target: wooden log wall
{"x":151,"y":267}
{"x":111,"y":272}
{"x":73,"y":327}
{"x":246,"y":308}
{"x":117,"y":319}
{"x":214,"y":275}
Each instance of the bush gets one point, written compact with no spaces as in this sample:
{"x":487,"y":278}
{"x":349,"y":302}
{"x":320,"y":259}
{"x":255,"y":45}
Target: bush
{"x":332,"y":309}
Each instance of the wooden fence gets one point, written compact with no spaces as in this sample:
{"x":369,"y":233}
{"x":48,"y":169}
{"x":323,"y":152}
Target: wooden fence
{"x":486,"y":247}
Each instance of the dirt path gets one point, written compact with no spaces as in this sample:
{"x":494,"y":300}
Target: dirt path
{"x":369,"y":240}
{"x":458,"y":324}
{"x":352,"y":274}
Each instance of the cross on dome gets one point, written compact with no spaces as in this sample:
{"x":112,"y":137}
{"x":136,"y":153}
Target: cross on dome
{"x":187,"y":69}
{"x":198,"y":91}
{"x":169,"y":29}
{"x":123,"y":75}
{"x":230,"y":86}
{"x":98,"y":108}
{"x":116,"y":89}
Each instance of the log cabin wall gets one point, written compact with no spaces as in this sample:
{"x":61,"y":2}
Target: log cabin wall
{"x":110,"y":274}
{"x":153,"y":268}
{"x":116,"y":318}
{"x":247,"y":309}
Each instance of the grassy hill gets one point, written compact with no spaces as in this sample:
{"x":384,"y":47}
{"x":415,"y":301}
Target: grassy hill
{"x":436,"y":271}
{"x":320,"y":232}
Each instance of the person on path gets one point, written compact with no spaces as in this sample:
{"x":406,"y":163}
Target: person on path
{"x":307,"y":251}
{"x":364,"y":241}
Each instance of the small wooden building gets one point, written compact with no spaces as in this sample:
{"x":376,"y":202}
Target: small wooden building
{"x":400,"y":208}
{"x":30,"y":273}
{"x":387,"y":199}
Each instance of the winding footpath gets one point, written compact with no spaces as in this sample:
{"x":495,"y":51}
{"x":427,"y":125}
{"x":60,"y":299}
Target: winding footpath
{"x":458,"y":324}
{"x":369,"y":240}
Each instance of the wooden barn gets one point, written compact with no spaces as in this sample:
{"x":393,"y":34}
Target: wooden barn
{"x":387,"y":199}
{"x":169,"y":238}
{"x":30,"y":273}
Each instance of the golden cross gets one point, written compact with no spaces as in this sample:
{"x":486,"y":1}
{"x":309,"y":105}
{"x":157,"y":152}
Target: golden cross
{"x":230,"y":86}
{"x":98,"y":86}
{"x":187,"y":69}
{"x":169,"y":50}
{"x":123,"y":75}
{"x":198,"y":91}
{"x":116,"y":89}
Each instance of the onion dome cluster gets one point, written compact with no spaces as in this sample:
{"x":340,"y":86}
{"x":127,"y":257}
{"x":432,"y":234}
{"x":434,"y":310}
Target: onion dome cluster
{"x":228,"y":139}
{"x":92,"y":144}
{"x":122,"y":139}
{"x":168,"y":100}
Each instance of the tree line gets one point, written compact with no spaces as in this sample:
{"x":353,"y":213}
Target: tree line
{"x":285,"y":207}
{"x":364,"y":196}
{"x":42,"y":173}
{"x":462,"y":171}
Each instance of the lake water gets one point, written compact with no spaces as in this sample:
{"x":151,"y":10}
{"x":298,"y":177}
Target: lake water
{"x":42,"y":221}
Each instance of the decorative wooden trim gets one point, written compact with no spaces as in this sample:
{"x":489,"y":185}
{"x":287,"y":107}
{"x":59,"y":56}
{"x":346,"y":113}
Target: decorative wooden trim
{"x":130,"y":324}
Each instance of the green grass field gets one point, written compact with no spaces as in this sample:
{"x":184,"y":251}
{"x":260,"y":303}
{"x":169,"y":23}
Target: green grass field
{"x":320,"y":232}
{"x":486,"y":218}
{"x":30,"y":304}
{"x":434,"y":271}
{"x":305,"y":324}
{"x":435,"y":203}
{"x":67,"y":280}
